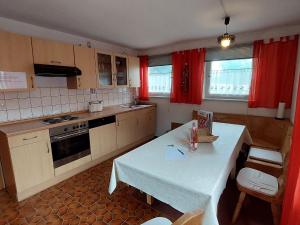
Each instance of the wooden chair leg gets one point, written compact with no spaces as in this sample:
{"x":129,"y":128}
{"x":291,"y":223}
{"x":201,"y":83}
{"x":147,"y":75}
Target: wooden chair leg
{"x":150,"y":199}
{"x":238,"y":207}
{"x":276,"y":209}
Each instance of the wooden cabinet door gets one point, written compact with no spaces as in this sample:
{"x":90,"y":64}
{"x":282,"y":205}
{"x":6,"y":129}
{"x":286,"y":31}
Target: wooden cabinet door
{"x":103,"y":140}
{"x":52,"y":52}
{"x":126,"y":129}
{"x":105,"y":69}
{"x":151,"y":122}
{"x":16,"y":56}
{"x":121,"y":70}
{"x":134,"y":71}
{"x":86,"y":62}
{"x":32,"y":164}
{"x":146,"y":123}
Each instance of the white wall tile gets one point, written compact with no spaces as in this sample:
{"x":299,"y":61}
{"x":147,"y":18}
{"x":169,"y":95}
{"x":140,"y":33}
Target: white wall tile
{"x":55,"y":92}
{"x":10,"y":95}
{"x":64,"y":91}
{"x":46,"y":101}
{"x":35,"y":93}
{"x":3,"y":116}
{"x":64,"y":99}
{"x":26,"y":113}
{"x":56,"y":109}
{"x":24,"y":103}
{"x":65,"y":108}
{"x":2,"y":95}
{"x":37,"y":112}
{"x":45,"y":92}
{"x":13,"y":115}
{"x":55,"y":100}
{"x":2,"y":104}
{"x":72,"y":99}
{"x":79,"y":91}
{"x":72,"y":92}
{"x":35,"y":102}
{"x":47,"y":110}
{"x":23,"y":94}
{"x":80,"y":98}
{"x":87,"y":98}
{"x":73,"y":107}
{"x":12,"y":104}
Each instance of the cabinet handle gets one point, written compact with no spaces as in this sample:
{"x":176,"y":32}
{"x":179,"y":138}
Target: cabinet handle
{"x":26,"y":139}
{"x":32,"y":82}
{"x":48,"y":149}
{"x":57,"y":62}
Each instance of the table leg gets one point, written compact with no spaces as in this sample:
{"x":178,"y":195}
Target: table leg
{"x":150,"y":199}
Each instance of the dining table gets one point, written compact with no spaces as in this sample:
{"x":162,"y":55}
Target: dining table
{"x":167,"y":169}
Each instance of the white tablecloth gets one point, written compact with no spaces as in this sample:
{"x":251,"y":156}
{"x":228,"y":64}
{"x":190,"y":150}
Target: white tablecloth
{"x":193,"y":181}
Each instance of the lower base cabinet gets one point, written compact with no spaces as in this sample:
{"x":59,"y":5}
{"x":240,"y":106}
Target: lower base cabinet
{"x":103,"y":140}
{"x":32,"y":164}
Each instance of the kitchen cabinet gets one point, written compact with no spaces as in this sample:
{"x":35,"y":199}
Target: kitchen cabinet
{"x":31,"y":159}
{"x":134,"y":71}
{"x":121,"y":70}
{"x":103,"y":140}
{"x":135,"y":126}
{"x":126,"y":129}
{"x":52,"y":52}
{"x":112,"y":69}
{"x":85,"y":60}
{"x":16,"y":59}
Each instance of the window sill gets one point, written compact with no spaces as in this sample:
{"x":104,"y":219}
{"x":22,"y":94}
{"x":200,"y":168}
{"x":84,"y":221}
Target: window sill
{"x":225,"y":99}
{"x":159,"y":96}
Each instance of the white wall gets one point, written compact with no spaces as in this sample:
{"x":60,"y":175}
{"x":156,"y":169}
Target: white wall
{"x":37,"y":31}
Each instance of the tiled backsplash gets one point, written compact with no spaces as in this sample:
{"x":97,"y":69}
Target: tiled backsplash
{"x":51,"y":101}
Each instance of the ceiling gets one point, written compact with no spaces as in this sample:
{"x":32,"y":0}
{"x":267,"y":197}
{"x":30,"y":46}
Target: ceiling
{"x":143,"y":24}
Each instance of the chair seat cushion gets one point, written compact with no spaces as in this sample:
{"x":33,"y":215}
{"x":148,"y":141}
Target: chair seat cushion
{"x":158,"y":221}
{"x":266,"y":155}
{"x":258,"y":181}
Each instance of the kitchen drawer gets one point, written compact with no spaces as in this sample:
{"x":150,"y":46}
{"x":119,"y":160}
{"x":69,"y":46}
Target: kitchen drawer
{"x":28,"y":138}
{"x":127,"y":115}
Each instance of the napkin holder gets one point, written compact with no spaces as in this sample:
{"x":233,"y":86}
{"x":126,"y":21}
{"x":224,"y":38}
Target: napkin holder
{"x":204,"y":136}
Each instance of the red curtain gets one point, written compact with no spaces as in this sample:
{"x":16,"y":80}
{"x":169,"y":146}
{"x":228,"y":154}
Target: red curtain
{"x":188,"y":75}
{"x":143,"y":91}
{"x":273,"y":72}
{"x":291,"y":203}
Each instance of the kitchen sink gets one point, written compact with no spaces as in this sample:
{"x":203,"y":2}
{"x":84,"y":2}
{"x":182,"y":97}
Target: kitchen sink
{"x":132,"y":106}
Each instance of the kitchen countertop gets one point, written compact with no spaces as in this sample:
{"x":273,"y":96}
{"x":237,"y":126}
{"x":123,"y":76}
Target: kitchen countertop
{"x":37,"y":124}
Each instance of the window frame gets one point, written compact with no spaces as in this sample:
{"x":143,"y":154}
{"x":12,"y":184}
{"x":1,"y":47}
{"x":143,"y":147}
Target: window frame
{"x":160,"y":94}
{"x":208,"y":96}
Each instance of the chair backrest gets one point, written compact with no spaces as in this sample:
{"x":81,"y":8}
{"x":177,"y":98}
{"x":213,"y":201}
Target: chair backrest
{"x":190,"y":218}
{"x":285,"y":154}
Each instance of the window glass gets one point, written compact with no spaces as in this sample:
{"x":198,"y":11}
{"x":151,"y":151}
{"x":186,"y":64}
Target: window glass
{"x":160,"y":79}
{"x":229,"y":79}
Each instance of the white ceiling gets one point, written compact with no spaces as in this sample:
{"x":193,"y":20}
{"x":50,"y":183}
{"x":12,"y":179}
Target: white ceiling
{"x":142,"y":24}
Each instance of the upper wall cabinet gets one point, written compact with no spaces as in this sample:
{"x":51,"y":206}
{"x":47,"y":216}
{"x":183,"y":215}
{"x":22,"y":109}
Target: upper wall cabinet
{"x":121,"y":70}
{"x":16,"y":62}
{"x":112,"y":69}
{"x":134,"y":71}
{"x":105,"y":69}
{"x":86,"y":62}
{"x":52,"y":52}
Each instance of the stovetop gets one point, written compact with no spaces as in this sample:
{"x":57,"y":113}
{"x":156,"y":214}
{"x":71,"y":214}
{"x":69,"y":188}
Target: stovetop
{"x":60,"y":119}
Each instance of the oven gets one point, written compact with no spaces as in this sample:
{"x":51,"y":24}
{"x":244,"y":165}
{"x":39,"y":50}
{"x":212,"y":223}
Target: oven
{"x":69,"y":143}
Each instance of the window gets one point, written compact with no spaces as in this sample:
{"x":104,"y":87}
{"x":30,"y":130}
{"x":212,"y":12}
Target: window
{"x":228,"y":72}
{"x":160,"y":80}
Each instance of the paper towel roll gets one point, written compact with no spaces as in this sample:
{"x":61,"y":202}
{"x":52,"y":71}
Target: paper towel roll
{"x":280,"y":110}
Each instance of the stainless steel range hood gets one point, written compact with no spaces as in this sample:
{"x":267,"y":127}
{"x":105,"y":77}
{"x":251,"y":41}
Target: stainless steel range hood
{"x":56,"y":71}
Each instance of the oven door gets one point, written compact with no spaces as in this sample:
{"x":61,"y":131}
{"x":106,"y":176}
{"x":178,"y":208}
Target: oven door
{"x":69,"y":147}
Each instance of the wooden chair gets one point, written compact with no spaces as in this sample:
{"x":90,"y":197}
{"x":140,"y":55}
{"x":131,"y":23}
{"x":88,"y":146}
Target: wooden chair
{"x":263,"y":186}
{"x":190,"y":218}
{"x":270,"y":160}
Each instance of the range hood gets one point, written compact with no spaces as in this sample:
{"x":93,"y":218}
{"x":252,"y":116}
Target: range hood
{"x":56,"y":71}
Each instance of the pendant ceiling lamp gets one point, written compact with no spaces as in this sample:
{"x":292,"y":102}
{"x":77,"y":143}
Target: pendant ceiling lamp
{"x":226,"y":39}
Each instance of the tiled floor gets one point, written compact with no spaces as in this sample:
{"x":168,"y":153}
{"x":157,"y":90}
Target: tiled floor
{"x":83,"y":199}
